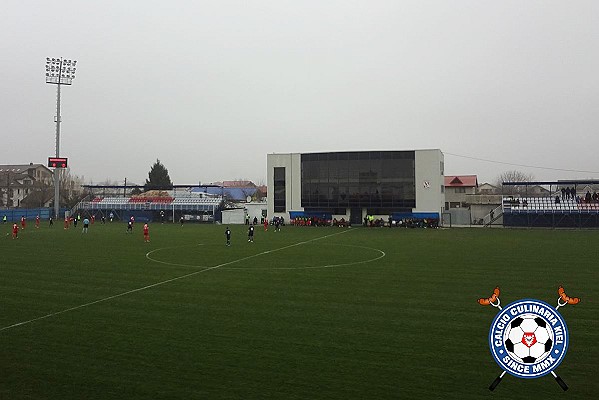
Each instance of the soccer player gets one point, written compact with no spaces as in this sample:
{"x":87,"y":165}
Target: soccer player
{"x":23,"y":222}
{"x":146,"y":233}
{"x":251,"y":233}
{"x":37,"y":222}
{"x":66,"y":222}
{"x":181,"y":220}
{"x":277,"y":224}
{"x":265,"y":224}
{"x":130,"y":226}
{"x":228,"y":235}
{"x":51,"y":222}
{"x":15,"y":231}
{"x":85,"y":225}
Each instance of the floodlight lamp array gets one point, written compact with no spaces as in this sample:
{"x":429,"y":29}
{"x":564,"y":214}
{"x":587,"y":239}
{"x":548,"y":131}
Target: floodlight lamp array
{"x":59,"y":70}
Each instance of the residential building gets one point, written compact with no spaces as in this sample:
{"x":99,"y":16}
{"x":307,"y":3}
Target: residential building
{"x":25,"y":185}
{"x":457,"y":190}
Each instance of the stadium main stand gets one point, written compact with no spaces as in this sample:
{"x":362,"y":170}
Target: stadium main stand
{"x":189,"y":206}
{"x":579,"y":209}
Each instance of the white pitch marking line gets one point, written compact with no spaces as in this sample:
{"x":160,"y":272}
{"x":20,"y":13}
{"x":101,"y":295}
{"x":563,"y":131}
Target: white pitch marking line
{"x":381,"y":255}
{"x":159,"y":283}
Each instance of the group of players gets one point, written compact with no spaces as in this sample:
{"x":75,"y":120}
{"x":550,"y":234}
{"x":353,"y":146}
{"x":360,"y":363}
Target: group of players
{"x":251,"y":229}
{"x":73,"y":220}
{"x":130,"y":222}
{"x":15,"y":227}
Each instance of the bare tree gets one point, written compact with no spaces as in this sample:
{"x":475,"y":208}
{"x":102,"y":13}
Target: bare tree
{"x":71,"y":188}
{"x":109,"y":191}
{"x":513,"y":176}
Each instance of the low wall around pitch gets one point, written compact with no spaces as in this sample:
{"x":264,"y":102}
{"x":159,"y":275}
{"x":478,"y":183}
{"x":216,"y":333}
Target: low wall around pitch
{"x":552,"y":220}
{"x":15,"y":214}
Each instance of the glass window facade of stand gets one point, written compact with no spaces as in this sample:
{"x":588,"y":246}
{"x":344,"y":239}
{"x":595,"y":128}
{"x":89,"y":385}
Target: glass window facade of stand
{"x":378,"y":180}
{"x":280,"y":203}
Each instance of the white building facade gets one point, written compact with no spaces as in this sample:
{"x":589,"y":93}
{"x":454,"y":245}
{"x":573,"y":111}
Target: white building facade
{"x":351,"y":185}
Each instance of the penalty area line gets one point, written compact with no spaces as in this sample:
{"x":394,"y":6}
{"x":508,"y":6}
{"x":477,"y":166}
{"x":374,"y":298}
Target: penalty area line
{"x":91,"y":303}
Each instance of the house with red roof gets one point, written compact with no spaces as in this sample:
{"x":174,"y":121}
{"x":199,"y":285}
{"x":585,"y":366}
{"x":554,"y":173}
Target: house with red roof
{"x":457,"y":190}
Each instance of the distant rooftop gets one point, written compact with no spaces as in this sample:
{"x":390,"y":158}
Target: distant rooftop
{"x":461,"y":181}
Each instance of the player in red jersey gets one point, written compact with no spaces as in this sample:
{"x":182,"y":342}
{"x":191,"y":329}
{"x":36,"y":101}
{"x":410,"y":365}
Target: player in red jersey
{"x":37,"y":222}
{"x":146,"y":233}
{"x":66,"y":222}
{"x":23,"y":222}
{"x":15,"y":231}
{"x":265,"y":224}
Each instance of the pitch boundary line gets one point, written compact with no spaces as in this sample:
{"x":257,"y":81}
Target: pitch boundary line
{"x":163,"y":282}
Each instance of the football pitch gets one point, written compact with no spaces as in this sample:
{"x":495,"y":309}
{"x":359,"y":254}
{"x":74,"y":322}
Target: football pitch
{"x":305,"y":313}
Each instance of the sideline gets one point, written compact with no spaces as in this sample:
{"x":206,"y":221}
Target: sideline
{"x":166,"y":281}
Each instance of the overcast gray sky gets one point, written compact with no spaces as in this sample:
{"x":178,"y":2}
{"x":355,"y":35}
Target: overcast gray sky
{"x":211,"y":87}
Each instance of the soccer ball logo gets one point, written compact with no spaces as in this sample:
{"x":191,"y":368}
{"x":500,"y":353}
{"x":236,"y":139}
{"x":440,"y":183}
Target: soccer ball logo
{"x":528,"y":340}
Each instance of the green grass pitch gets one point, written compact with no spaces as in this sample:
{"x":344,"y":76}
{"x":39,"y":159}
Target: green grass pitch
{"x":305,"y":313}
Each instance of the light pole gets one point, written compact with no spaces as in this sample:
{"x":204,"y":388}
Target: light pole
{"x":59,"y":72}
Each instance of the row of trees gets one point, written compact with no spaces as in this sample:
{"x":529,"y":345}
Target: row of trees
{"x":72,"y":190}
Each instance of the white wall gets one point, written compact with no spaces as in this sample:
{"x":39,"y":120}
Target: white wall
{"x":429,"y":180}
{"x":293,"y":187}
{"x":255,"y":210}
{"x":232,"y":217}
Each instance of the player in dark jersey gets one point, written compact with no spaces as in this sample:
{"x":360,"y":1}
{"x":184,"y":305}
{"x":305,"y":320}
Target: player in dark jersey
{"x":251,"y":234}
{"x":228,"y":235}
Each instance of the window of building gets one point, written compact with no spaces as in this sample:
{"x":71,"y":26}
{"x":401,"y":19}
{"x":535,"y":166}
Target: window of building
{"x":460,"y":190}
{"x":280,"y":204}
{"x":377,"y":179}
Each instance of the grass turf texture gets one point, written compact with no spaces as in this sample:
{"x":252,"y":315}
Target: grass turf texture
{"x":269,"y":326}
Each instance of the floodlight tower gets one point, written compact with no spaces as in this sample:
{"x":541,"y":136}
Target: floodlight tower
{"x":59,"y":72}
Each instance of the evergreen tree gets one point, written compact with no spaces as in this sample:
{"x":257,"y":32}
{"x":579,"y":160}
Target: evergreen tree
{"x":158,"y":177}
